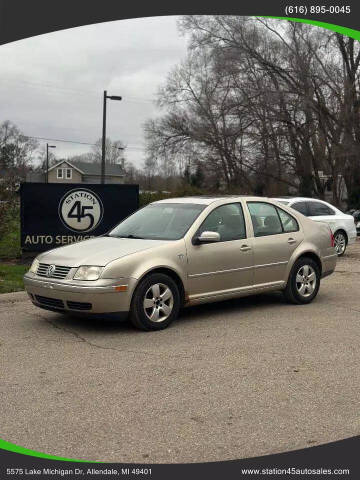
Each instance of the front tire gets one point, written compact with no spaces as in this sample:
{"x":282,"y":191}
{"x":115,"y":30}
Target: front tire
{"x":304,"y":281}
{"x":156,"y":302}
{"x":340,"y":242}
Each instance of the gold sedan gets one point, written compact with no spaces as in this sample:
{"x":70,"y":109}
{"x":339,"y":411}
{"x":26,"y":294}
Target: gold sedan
{"x":184,"y":251}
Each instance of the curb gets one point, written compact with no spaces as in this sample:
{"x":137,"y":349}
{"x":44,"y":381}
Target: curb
{"x":13,"y":297}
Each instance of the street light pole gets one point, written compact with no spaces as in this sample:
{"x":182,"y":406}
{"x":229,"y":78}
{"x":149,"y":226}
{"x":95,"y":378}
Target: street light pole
{"x":103,"y":146}
{"x":47,"y":161}
{"x":103,"y":140}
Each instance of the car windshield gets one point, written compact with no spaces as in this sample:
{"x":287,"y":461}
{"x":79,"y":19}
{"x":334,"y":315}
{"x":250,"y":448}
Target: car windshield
{"x":159,"y":221}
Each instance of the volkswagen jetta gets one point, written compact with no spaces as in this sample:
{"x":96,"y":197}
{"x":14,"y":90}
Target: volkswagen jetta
{"x":184,"y":251}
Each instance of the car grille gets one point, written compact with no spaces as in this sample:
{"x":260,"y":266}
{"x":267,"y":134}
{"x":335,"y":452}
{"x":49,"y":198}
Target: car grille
{"x":79,"y":305}
{"x":50,"y":302}
{"x":59,"y":272}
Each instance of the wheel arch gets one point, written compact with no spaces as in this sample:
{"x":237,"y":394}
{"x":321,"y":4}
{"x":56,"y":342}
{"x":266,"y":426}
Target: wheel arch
{"x":166,"y":271}
{"x":313,"y":256}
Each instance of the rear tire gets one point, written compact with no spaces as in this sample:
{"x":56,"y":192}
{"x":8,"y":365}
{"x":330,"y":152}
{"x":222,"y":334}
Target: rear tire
{"x":156,"y":302}
{"x":304,"y":282}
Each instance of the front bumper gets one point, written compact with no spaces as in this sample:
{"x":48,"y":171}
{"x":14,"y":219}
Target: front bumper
{"x":69,"y":297}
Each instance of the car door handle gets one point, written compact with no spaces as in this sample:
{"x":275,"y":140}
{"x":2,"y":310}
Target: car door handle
{"x":245,"y":248}
{"x":291,"y":241}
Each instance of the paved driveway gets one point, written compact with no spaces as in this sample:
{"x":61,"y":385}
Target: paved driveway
{"x":229,"y":380}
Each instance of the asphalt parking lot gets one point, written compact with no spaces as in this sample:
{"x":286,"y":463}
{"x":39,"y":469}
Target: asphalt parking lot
{"x":230,"y":380}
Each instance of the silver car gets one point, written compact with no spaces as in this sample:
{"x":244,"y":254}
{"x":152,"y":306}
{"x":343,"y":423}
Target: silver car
{"x":184,"y":251}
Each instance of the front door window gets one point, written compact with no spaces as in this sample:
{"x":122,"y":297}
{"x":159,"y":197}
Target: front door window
{"x":227,"y":220}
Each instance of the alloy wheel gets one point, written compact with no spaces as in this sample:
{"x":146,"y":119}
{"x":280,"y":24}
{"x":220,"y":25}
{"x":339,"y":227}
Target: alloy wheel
{"x":158,"y":302}
{"x":340,"y":243}
{"x":306,"y":280}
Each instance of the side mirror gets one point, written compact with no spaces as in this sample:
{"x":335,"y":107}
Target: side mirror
{"x":208,"y":237}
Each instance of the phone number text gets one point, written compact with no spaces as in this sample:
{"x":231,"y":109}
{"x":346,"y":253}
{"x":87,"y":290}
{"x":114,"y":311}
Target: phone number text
{"x":304,"y":9}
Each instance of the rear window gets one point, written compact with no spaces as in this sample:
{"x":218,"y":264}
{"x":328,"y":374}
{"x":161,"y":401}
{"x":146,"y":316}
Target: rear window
{"x":317,"y":208}
{"x":300,"y":207}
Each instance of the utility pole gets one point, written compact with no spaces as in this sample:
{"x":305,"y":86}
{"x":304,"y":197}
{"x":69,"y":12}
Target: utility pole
{"x":103,"y":146}
{"x":103,"y":140}
{"x":47,"y":161}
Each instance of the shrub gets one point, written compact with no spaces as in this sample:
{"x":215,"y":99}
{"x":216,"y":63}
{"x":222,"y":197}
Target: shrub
{"x":10,"y":230}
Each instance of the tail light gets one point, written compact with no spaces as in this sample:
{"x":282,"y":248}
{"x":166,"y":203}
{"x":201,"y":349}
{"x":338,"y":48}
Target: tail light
{"x":332,"y":239}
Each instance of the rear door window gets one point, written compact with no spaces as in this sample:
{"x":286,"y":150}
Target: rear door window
{"x":270,"y":220}
{"x":288,"y":222}
{"x":265,"y":219}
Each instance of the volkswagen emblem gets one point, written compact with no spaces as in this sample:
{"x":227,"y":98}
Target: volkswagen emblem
{"x":50,"y":270}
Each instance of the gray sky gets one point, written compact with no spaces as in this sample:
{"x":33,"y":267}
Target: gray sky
{"x":52,"y":85}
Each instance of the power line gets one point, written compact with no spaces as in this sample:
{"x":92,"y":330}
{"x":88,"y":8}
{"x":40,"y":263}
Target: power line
{"x":72,"y":90}
{"x":60,"y":140}
{"x":130,"y":147}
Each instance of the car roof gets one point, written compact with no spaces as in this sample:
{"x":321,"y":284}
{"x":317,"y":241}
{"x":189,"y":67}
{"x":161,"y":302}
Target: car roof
{"x":300,"y":199}
{"x":207,"y":200}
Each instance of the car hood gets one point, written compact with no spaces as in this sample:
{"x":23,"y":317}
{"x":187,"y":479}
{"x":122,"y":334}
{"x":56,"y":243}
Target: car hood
{"x":97,"y":251}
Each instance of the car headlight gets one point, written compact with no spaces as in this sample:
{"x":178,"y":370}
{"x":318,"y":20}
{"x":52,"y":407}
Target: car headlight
{"x":88,"y":272}
{"x":34,"y":266}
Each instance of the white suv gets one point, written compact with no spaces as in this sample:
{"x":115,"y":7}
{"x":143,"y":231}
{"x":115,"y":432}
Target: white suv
{"x":342,"y":225}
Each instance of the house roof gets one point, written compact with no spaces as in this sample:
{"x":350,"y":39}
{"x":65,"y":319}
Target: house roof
{"x":72,"y":164}
{"x":92,"y":168}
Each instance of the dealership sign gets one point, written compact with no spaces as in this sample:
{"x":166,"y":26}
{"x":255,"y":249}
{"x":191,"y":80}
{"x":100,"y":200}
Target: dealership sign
{"x":53,"y":214}
{"x":81,"y":210}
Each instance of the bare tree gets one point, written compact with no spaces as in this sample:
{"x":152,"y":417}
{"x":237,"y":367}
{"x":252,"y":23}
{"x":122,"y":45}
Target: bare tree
{"x":266,"y":105}
{"x":114,"y":152}
{"x":16,"y":150}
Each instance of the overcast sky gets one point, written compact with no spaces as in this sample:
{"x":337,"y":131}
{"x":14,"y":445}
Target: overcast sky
{"x":52,"y":85}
